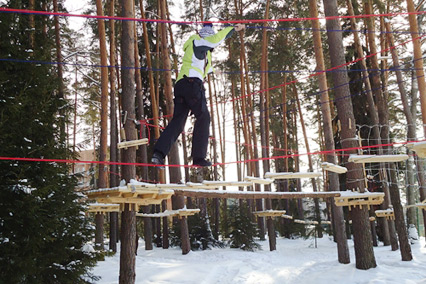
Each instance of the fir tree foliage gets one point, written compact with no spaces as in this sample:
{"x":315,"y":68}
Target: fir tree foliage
{"x":243,"y":229}
{"x":200,"y":234}
{"x":43,"y":230}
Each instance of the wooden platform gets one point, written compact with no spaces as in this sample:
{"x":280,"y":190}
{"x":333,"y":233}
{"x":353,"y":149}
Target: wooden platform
{"x":133,"y":143}
{"x":361,"y":159}
{"x":333,"y":168}
{"x":419,"y":148}
{"x":388,"y":214}
{"x":269,"y":213}
{"x":103,"y":208}
{"x":181,"y":213}
{"x":130,"y":195}
{"x":297,"y":175}
{"x":349,"y":198}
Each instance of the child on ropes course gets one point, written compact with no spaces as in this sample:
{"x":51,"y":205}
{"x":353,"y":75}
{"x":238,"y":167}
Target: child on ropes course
{"x":189,"y":94}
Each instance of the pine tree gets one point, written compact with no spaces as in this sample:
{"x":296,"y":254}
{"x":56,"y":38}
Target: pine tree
{"x":42,"y":225}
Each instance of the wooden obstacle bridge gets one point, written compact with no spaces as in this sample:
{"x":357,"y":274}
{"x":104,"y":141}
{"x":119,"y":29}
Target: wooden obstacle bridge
{"x":132,"y":143}
{"x":140,"y":194}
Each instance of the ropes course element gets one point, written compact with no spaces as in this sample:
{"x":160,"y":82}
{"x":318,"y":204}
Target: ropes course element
{"x":103,"y":208}
{"x":302,"y":19}
{"x":188,"y":166}
{"x":353,"y":199}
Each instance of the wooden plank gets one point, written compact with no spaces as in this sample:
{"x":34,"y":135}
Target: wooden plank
{"x":360,"y":159}
{"x":269,"y":213}
{"x":179,"y":212}
{"x":226,"y":183}
{"x":419,"y":148}
{"x":296,"y":175}
{"x":253,"y":194}
{"x":133,"y":143}
{"x":103,"y":208}
{"x":258,"y":180}
{"x":305,"y":222}
{"x":287,"y":217}
{"x":333,"y":168}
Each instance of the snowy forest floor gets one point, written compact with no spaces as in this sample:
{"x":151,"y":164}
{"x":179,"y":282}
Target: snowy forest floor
{"x":294,"y":261}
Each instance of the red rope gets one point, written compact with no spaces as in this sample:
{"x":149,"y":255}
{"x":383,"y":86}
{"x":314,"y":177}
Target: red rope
{"x":46,"y":13}
{"x":190,"y":166}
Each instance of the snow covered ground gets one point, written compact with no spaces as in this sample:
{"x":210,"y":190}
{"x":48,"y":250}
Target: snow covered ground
{"x":294,"y":261}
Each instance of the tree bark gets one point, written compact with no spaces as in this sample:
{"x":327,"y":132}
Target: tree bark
{"x":374,"y":116}
{"x":61,"y":87}
{"x":103,"y":169}
{"x":128,"y":216}
{"x":364,"y":253}
{"x":99,"y":233}
{"x":113,"y":232}
{"x":418,"y":60}
{"x":337,"y":211}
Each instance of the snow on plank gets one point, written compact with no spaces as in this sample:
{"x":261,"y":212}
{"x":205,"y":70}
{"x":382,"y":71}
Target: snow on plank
{"x":361,"y":159}
{"x":296,"y":175}
{"x":333,"y":168}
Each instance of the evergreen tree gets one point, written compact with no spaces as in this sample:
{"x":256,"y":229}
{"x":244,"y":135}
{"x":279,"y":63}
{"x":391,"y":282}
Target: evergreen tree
{"x":42,"y":225}
{"x":243,"y":229}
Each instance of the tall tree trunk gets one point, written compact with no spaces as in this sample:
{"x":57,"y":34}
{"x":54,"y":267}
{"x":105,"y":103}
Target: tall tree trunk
{"x":128,"y":216}
{"x":113,"y":177}
{"x":99,"y":233}
{"x":400,"y":225}
{"x":337,"y":211}
{"x":61,"y":92}
{"x":317,"y":212}
{"x":364,"y":253}
{"x":411,"y":131}
{"x":175,"y":173}
{"x":418,"y":62}
{"x":103,"y":169}
{"x":215,"y":172}
{"x":374,"y":116}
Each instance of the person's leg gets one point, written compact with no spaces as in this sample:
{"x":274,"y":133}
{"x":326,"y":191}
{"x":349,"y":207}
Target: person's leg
{"x":174,"y":128}
{"x":200,"y":138}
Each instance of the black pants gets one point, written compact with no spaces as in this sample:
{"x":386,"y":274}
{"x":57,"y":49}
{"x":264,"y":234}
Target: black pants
{"x":189,"y":96}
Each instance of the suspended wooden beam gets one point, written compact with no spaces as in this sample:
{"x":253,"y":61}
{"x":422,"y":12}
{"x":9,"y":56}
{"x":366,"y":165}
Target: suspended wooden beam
{"x":253,"y":194}
{"x":305,"y":222}
{"x":103,"y":208}
{"x":360,"y":159}
{"x":133,"y":143}
{"x":388,"y":213}
{"x":287,"y":217}
{"x":333,"y":168}
{"x":419,"y":148}
{"x":258,"y":180}
{"x":292,"y":175}
{"x":226,"y":183}
{"x":350,"y":198}
{"x":269,"y":213}
{"x":180,"y":212}
{"x":195,"y":185}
